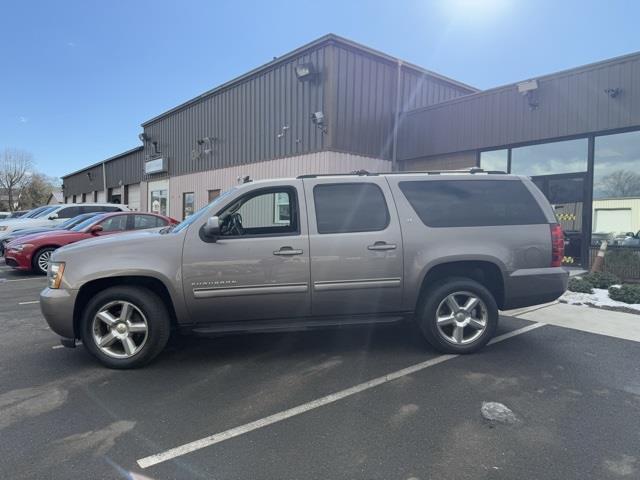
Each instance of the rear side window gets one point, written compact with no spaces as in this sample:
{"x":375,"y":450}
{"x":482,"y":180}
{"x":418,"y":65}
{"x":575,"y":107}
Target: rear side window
{"x":466,"y":203}
{"x":350,"y":207}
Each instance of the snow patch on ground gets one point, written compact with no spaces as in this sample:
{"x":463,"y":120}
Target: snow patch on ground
{"x":599,"y":298}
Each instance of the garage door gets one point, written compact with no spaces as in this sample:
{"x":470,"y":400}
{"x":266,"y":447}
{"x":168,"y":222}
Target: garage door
{"x":613,"y":220}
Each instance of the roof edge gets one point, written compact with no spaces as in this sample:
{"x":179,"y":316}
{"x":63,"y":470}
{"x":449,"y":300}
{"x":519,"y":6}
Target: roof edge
{"x":547,"y":76}
{"x":324,"y":40}
{"x":110,"y":159}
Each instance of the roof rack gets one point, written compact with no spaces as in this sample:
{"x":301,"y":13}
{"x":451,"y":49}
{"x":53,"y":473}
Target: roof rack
{"x":365,"y":173}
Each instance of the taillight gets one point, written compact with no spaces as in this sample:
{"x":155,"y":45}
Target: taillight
{"x":557,"y":245}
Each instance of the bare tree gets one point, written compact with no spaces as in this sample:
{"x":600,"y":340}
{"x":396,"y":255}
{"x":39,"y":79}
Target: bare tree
{"x":36,"y":190}
{"x":15,"y":166}
{"x":621,"y":183}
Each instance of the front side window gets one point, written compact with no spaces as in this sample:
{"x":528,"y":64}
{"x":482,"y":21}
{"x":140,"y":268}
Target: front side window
{"x":350,"y":207}
{"x":253,"y":214}
{"x":114,"y":224}
{"x":468,"y":203}
{"x":141,"y":222}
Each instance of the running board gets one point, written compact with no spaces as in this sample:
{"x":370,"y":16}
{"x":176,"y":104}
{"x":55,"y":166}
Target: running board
{"x":264,"y":326}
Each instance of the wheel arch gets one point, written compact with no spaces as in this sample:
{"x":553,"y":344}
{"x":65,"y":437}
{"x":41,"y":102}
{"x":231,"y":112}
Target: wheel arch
{"x":35,"y":253}
{"x":486,"y":272}
{"x":86,"y":292}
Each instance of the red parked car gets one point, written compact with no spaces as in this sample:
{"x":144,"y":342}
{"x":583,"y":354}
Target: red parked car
{"x":33,"y":252}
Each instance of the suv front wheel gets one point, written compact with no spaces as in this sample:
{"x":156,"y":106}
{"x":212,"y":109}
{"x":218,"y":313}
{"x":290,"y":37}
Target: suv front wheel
{"x":458,"y":316}
{"x":125,"y":327}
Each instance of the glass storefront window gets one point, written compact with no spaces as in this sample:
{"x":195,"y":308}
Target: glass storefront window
{"x":616,"y":189}
{"x":495,"y":160}
{"x":159,"y":201}
{"x":188,"y":204}
{"x":550,"y":158}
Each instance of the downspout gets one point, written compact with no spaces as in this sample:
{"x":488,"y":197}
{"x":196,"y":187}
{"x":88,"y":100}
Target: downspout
{"x":394,"y":153}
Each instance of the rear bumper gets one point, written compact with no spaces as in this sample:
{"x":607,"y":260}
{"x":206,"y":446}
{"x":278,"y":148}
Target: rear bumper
{"x":533,"y":286}
{"x":57,"y":308}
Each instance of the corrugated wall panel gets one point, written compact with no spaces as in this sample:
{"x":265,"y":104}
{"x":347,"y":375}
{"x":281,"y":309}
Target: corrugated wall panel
{"x":125,"y":170}
{"x":83,"y":182}
{"x":246,"y":121}
{"x":570,"y":103}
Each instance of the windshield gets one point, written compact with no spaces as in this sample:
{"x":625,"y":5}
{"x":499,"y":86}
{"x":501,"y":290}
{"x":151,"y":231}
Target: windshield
{"x":189,"y":220}
{"x":72,"y":222}
{"x":44,"y":212}
{"x":35,"y":212}
{"x":89,"y":221}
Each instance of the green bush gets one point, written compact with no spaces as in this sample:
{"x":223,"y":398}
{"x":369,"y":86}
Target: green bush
{"x":580,"y":285}
{"x":601,"y":279}
{"x":625,"y":293}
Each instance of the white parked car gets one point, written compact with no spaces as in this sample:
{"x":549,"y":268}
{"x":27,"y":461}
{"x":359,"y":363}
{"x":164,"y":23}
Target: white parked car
{"x":4,"y":215}
{"x":51,"y":216}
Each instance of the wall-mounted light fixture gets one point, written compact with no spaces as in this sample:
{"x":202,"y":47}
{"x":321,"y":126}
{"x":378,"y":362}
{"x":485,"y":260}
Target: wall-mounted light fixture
{"x":207,"y":140}
{"x":306,"y":72}
{"x":613,"y":92}
{"x":143,"y":137}
{"x":90,"y":177}
{"x":319,"y":121}
{"x":155,"y":148}
{"x":529,"y":90}
{"x":283,"y":131}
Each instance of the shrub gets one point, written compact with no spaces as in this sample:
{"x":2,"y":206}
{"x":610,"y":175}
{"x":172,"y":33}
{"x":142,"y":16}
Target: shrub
{"x":580,"y":285}
{"x":601,"y":279}
{"x":625,"y":293}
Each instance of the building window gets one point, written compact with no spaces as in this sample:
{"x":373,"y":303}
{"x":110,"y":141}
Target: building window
{"x":159,"y":201}
{"x":74,"y":199}
{"x":495,"y":160}
{"x":282,"y":209}
{"x":84,"y":198}
{"x":188,"y":204}
{"x":567,"y":156}
{"x":212,"y":195}
{"x":616,"y":189}
{"x":95,"y":196}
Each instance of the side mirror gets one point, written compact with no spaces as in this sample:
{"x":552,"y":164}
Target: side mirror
{"x":95,"y":230}
{"x":212,"y":227}
{"x":53,"y":216}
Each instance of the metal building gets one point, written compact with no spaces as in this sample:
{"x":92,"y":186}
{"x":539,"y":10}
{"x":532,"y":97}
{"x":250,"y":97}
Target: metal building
{"x":336,"y":106}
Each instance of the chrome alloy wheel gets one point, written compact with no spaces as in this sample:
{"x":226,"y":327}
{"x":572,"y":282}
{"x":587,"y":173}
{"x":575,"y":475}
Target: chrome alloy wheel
{"x":43,"y":260}
{"x":120,"y":329}
{"x":461,"y":318}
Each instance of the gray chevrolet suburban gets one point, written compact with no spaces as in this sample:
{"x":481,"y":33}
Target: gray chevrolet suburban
{"x":443,"y":249}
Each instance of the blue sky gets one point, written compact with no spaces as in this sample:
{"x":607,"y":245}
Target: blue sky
{"x":77,"y":78}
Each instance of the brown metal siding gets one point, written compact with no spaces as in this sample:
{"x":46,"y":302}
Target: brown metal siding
{"x":80,"y":182}
{"x":125,"y":170}
{"x":363,"y":100}
{"x":245,"y":120}
{"x":571,"y":103}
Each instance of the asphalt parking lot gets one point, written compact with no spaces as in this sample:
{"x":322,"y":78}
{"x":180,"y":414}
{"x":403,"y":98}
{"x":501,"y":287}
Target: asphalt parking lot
{"x":226,"y":408}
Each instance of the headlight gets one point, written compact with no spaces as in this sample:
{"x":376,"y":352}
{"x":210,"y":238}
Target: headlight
{"x":20,"y":247}
{"x":54,"y":274}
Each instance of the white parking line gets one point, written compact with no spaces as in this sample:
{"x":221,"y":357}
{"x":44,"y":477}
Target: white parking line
{"x":29,"y":302}
{"x":149,"y":461}
{"x":2,"y":280}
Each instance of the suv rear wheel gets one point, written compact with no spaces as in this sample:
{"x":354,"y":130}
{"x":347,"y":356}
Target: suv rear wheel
{"x":458,"y":316}
{"x":125,"y":327}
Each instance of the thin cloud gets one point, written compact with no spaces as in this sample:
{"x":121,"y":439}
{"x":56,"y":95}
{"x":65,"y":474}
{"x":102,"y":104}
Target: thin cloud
{"x":71,"y":44}
{"x":23,"y":119}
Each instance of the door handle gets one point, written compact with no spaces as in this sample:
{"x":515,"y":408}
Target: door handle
{"x":288,"y":251}
{"x":382,"y":246}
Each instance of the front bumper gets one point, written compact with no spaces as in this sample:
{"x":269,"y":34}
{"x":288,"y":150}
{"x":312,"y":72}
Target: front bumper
{"x":57,"y":306}
{"x":17,"y":260}
{"x":534,"y":286}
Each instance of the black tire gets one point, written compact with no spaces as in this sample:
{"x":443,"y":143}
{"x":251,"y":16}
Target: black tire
{"x":36,"y":261}
{"x":157,"y":320}
{"x":427,"y":315}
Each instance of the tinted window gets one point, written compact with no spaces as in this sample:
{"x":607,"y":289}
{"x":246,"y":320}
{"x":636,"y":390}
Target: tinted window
{"x":88,"y":222}
{"x":69,"y":212}
{"x":466,"y":203}
{"x":350,"y":207}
